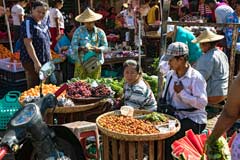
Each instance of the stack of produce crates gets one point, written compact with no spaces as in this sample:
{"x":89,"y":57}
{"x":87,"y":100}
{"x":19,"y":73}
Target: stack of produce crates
{"x":8,"y":106}
{"x":12,"y":76}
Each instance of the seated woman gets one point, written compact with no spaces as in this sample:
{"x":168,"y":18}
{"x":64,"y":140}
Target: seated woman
{"x":137,"y":93}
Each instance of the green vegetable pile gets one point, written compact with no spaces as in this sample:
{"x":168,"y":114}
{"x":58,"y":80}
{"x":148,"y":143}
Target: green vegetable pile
{"x":156,"y":117}
{"x":218,"y":150}
{"x":153,"y":82}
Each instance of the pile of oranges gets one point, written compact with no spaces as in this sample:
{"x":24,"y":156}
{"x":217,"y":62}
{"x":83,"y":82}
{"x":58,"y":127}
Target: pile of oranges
{"x":46,"y":88}
{"x":6,"y":53}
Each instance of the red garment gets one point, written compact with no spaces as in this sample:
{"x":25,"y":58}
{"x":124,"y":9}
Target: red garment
{"x":54,"y":34}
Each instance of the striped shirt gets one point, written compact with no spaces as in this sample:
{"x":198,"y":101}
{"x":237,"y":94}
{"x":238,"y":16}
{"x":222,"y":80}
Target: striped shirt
{"x":204,"y":10}
{"x":40,"y":40}
{"x":139,"y":96}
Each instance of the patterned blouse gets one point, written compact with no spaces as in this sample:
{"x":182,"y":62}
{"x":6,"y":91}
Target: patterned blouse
{"x":139,"y":96}
{"x":40,"y":40}
{"x":82,"y":37}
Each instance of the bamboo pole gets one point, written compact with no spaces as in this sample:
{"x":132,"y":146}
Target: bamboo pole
{"x":79,"y":6}
{"x":232,"y":55}
{"x":163,"y":41}
{"x":8,"y":27}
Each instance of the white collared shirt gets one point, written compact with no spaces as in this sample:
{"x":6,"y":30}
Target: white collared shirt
{"x":55,"y":13}
{"x":194,"y":95}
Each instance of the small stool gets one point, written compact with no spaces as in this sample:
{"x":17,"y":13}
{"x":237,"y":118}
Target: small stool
{"x":83,"y":130}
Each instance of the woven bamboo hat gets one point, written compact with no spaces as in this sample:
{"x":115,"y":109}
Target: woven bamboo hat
{"x":125,"y":5}
{"x":88,"y":16}
{"x":207,"y":36}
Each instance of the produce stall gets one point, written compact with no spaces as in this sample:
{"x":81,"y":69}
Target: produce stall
{"x":83,"y":100}
{"x":127,"y":137}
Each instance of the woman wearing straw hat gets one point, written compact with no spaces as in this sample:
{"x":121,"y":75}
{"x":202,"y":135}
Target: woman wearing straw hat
{"x":88,"y":41}
{"x":213,"y":65}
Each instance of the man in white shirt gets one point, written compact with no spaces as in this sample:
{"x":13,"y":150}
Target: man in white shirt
{"x":17,"y":13}
{"x":186,"y":92}
{"x":221,"y":11}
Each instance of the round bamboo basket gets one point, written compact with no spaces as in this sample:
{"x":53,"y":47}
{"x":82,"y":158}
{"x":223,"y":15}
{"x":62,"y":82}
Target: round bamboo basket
{"x":85,"y":100}
{"x":138,"y":137}
{"x":77,"y":108}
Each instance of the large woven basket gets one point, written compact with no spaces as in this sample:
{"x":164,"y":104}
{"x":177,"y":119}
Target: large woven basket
{"x":78,"y":108}
{"x":85,"y":100}
{"x":137,"y":137}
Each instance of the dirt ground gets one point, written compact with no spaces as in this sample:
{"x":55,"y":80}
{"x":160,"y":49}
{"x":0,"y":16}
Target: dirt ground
{"x":213,"y":114}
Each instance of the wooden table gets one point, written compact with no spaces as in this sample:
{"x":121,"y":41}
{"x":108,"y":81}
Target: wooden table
{"x":115,"y":60}
{"x":149,"y":40}
{"x":118,"y":146}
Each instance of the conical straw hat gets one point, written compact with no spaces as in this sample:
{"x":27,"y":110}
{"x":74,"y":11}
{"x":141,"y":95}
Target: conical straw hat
{"x":88,"y":16}
{"x":125,"y":5}
{"x":207,"y":36}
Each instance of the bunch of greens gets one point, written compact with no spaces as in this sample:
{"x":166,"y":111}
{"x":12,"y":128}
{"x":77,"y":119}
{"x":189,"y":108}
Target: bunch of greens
{"x":156,"y":117}
{"x":152,"y":81}
{"x":218,"y":149}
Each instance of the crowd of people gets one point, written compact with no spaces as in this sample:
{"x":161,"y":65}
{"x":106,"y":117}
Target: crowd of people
{"x":196,"y":69}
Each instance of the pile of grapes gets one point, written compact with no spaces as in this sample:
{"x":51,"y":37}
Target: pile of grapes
{"x":101,"y":91}
{"x":82,"y":89}
{"x":79,"y":89}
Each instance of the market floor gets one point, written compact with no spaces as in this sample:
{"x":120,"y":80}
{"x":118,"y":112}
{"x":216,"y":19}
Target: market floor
{"x":211,"y":122}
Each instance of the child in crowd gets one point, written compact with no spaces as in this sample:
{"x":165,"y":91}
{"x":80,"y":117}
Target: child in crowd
{"x":63,"y":45}
{"x":56,"y":21}
{"x":65,"y":41}
{"x":137,"y":92}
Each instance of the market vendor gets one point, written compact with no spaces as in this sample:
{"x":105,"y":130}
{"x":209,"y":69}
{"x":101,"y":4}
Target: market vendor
{"x":180,"y":34}
{"x":88,"y":41}
{"x":35,"y":38}
{"x":137,"y":92}
{"x":214,"y":66}
{"x":185,"y":93}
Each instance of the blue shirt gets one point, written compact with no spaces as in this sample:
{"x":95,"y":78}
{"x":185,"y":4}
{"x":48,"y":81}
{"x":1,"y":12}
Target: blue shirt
{"x":82,"y":37}
{"x":40,"y":40}
{"x":63,"y":41}
{"x":186,"y":37}
{"x":214,"y":67}
{"x":231,"y":18}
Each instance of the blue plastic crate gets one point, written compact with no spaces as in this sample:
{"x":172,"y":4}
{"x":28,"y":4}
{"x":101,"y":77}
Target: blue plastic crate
{"x":8,"y":106}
